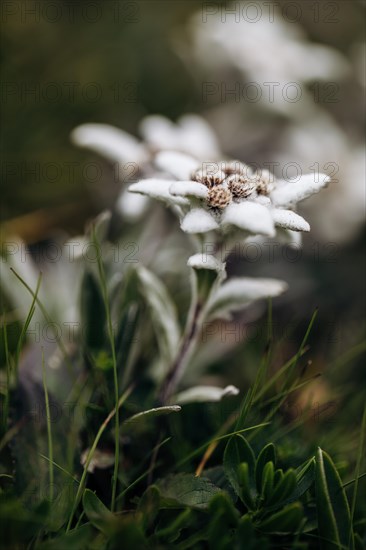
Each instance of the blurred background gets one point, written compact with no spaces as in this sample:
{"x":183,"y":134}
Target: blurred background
{"x":281,"y":84}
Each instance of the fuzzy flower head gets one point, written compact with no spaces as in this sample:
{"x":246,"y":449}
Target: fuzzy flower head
{"x":228,"y":197}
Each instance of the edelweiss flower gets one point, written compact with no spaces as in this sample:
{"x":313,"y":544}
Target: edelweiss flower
{"x":227,"y":197}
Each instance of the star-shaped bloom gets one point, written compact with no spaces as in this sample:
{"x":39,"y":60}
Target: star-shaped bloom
{"x":228,"y":197}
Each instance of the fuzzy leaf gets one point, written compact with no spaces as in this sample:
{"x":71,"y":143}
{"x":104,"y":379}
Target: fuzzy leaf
{"x":239,"y":292}
{"x":334,"y":521}
{"x":205,"y":261}
{"x":163,"y":312}
{"x":207,"y":271}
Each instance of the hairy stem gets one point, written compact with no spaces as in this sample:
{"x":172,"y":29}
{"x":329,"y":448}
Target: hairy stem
{"x":186,"y":348}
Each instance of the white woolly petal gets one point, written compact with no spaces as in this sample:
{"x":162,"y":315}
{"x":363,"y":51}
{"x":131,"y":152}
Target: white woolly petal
{"x":205,"y":261}
{"x":261,"y":199}
{"x":198,"y":220}
{"x":111,"y":142}
{"x":198,"y":139}
{"x":249,"y":216}
{"x":157,"y":189}
{"x":131,"y":205}
{"x":189,"y":189}
{"x":292,"y":192}
{"x":191,"y":134}
{"x":204,"y":394}
{"x":159,"y":132}
{"x":239,"y":292}
{"x":178,"y":164}
{"x":289,"y":220}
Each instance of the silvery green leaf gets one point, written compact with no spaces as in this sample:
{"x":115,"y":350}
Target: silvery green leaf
{"x":290,"y":193}
{"x":157,"y":189}
{"x":179,"y":165}
{"x":189,"y":189}
{"x":204,"y":394}
{"x":289,"y":220}
{"x":250,"y":217}
{"x":239,"y":292}
{"x":198,"y":220}
{"x":163,"y":312}
{"x":111,"y":142}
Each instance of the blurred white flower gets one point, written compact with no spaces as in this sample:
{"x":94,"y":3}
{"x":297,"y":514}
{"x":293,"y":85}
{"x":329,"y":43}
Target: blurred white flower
{"x":228,"y":197}
{"x":191,"y":134}
{"x":319,"y":144}
{"x":266,"y":49}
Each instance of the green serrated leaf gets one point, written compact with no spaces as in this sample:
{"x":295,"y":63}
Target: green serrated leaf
{"x":334,"y":521}
{"x":236,"y":452}
{"x":267,"y":454}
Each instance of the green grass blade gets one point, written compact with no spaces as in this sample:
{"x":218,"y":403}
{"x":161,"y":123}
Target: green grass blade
{"x":49,"y":430}
{"x":103,"y":284}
